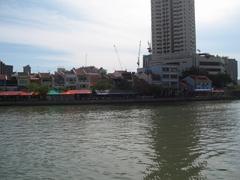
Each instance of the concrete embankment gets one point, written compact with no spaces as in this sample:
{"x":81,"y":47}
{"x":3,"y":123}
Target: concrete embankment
{"x":112,"y":101}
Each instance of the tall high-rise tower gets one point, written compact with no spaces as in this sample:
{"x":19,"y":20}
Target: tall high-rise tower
{"x":173,"y":31}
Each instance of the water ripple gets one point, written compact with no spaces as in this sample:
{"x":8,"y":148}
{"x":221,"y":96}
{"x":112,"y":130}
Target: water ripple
{"x":171,"y":141}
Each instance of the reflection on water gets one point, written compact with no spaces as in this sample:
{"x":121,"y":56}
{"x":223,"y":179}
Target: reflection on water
{"x":170,"y":141}
{"x":175,"y":134}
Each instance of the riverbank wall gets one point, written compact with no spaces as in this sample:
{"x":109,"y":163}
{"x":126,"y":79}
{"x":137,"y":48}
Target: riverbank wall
{"x":112,"y":101}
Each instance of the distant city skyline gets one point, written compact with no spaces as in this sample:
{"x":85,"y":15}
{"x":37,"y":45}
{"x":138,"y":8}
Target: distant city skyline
{"x":59,"y":33}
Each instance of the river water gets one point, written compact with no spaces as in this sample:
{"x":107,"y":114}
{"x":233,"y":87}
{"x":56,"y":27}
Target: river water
{"x":197,"y":140}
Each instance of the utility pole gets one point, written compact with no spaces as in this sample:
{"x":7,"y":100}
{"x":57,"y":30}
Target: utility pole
{"x":86,"y":59}
{"x":118,"y":57}
{"x":5,"y":83}
{"x":139,"y":53}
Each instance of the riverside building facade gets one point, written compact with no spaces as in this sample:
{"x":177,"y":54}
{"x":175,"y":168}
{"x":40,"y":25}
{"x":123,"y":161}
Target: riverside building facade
{"x":173,"y":32}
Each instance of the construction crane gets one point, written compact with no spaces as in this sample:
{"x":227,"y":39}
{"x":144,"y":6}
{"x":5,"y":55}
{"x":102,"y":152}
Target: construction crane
{"x":149,"y":47}
{"x":139,"y":53}
{"x":118,"y":57}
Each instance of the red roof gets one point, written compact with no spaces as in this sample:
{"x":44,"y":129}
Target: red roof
{"x":80,"y":71}
{"x":87,"y":70}
{"x":15,"y":93}
{"x":74,"y":92}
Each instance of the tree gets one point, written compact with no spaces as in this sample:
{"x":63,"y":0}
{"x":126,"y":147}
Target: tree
{"x":141,"y":86}
{"x":144,"y":88}
{"x":220,"y":80}
{"x":33,"y":87}
{"x":103,"y":84}
{"x":42,"y":90}
{"x":103,"y":72}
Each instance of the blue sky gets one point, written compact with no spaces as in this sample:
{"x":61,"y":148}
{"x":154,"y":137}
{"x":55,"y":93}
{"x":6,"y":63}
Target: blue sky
{"x":59,"y":33}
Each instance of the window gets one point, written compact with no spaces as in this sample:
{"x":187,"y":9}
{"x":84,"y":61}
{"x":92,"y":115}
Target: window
{"x":210,"y":63}
{"x":165,"y":69}
{"x":174,"y":76}
{"x":166,"y":76}
{"x":174,"y":69}
{"x":213,"y":69}
{"x":82,"y":78}
{"x":174,"y":83}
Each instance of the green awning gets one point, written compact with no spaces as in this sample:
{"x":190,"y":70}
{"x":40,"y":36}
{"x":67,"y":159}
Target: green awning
{"x":53,"y":92}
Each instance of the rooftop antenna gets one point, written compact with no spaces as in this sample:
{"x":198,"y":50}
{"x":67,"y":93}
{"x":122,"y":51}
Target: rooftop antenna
{"x":139,"y":53}
{"x":118,"y":57}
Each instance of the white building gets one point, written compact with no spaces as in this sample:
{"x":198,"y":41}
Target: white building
{"x":197,"y":84}
{"x":87,"y":77}
{"x":216,"y":64}
{"x":210,"y":63}
{"x":173,"y":32}
{"x":70,"y":79}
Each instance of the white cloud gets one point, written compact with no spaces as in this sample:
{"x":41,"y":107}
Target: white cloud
{"x":216,"y":12}
{"x":110,"y":23}
{"x":105,"y":23}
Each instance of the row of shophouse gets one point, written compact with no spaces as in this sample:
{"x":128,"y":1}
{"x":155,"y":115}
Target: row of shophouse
{"x":165,"y":75}
{"x":80,"y":78}
{"x":76,"y":78}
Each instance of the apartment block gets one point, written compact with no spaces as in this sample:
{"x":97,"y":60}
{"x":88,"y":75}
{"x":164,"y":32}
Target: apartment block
{"x":173,"y":32}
